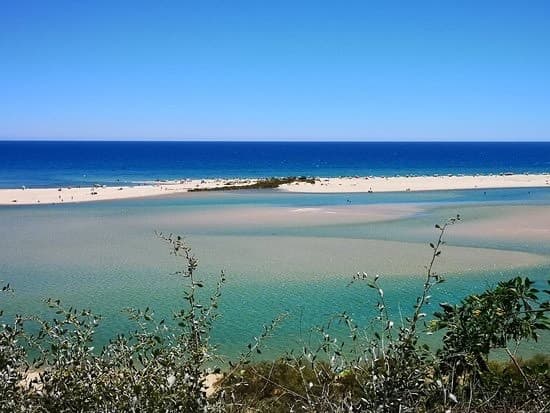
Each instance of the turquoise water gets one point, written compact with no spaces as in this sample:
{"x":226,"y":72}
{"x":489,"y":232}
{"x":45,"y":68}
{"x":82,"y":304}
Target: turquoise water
{"x":105,"y":256}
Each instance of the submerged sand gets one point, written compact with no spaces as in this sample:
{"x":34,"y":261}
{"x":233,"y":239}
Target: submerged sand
{"x":33,"y":196}
{"x":288,"y":258}
{"x":262,"y":217}
{"x":527,"y":223}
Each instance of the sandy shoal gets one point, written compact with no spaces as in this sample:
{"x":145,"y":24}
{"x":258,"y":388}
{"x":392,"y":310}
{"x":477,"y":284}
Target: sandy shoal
{"x":525,"y":223}
{"x":316,"y":258}
{"x":261,"y":217}
{"x":419,"y":183}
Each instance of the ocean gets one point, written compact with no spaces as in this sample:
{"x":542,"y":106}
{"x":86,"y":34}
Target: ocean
{"x":59,"y":163}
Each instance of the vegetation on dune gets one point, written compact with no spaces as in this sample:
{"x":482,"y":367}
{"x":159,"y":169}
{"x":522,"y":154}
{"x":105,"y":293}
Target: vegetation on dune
{"x":49,"y":365}
{"x":268,"y":183}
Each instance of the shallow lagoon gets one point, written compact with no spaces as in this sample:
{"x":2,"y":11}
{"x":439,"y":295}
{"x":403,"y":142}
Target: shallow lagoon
{"x":281,"y":252}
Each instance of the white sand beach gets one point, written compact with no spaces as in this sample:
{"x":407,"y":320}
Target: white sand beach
{"x":419,"y":183}
{"x":32,"y":196}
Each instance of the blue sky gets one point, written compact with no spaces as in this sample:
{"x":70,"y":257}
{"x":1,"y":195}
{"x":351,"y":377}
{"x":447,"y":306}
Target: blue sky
{"x":278,"y":70}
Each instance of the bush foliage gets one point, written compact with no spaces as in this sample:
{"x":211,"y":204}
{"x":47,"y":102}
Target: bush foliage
{"x":50,"y":365}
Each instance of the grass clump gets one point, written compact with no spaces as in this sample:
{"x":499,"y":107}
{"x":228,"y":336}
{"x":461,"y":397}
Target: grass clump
{"x":268,"y":183}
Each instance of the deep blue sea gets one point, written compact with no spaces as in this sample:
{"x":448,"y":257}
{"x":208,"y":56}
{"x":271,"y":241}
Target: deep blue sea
{"x":57,"y":163}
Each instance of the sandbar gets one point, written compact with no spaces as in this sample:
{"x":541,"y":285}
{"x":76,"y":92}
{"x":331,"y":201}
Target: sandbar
{"x":59,"y":195}
{"x":419,"y":183}
{"x":33,"y":196}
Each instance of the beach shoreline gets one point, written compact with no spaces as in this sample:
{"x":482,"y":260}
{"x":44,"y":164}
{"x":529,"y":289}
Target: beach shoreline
{"x":67,"y":195}
{"x":365,"y":184}
{"x":420,"y":183}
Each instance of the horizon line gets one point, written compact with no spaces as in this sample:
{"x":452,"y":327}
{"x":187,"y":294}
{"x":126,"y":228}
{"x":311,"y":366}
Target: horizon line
{"x":216,"y":140}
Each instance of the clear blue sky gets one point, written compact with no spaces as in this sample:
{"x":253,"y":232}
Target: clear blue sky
{"x":304,"y":70}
